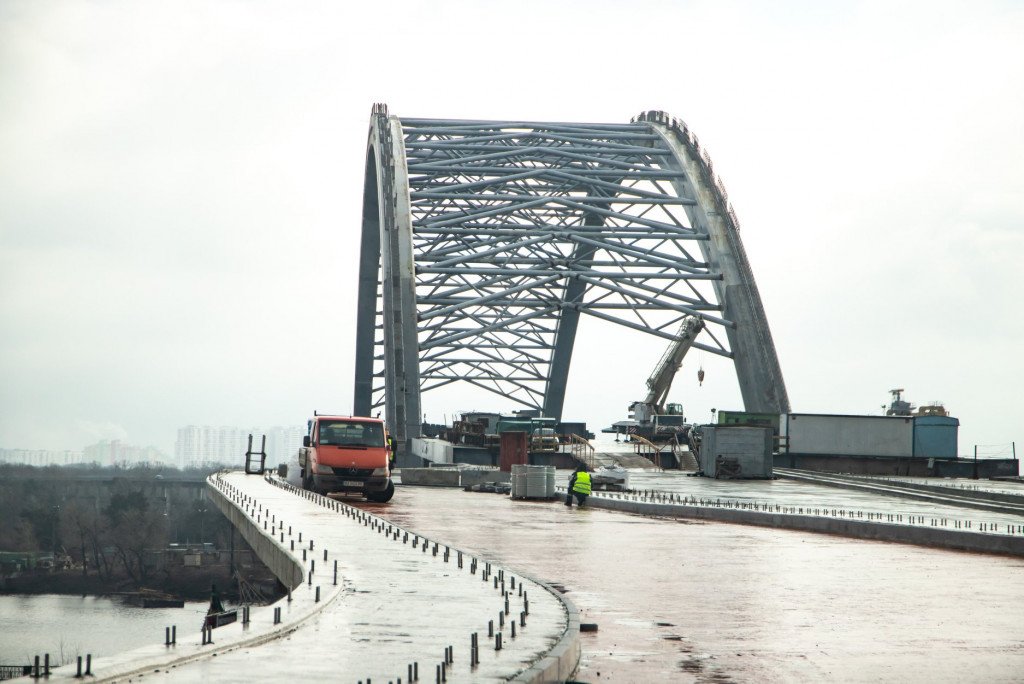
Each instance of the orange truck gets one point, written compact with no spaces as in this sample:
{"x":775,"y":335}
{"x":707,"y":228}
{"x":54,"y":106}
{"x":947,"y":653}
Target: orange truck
{"x":347,"y":454}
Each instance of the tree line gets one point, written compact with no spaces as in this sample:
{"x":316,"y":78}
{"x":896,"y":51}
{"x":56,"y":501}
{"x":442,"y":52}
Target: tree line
{"x":105,"y":521}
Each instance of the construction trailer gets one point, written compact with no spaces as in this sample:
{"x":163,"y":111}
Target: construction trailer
{"x":736,"y":452}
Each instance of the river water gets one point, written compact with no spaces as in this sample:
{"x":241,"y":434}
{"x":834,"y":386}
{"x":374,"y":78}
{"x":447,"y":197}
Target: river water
{"x":69,"y":626}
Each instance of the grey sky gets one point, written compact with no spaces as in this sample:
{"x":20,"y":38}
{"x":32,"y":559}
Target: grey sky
{"x":180,"y":189}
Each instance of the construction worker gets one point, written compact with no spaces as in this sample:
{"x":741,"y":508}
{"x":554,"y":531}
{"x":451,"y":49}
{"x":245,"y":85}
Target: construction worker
{"x":215,"y":605}
{"x":579,"y":485}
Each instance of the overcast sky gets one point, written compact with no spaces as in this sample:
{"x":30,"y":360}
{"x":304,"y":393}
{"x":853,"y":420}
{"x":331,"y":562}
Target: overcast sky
{"x":180,"y":193}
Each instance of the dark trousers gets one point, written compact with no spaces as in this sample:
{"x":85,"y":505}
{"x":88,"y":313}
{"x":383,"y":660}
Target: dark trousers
{"x":580,"y":498}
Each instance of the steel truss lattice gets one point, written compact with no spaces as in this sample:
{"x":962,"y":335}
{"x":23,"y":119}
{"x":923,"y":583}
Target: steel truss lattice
{"x":484,"y":241}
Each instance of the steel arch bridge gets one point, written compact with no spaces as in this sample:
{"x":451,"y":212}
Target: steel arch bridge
{"x":483,"y":242}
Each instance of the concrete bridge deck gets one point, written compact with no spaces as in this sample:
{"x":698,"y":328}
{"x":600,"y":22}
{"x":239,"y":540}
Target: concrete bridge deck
{"x":675,"y":600}
{"x":401,"y":600}
{"x":698,"y":601}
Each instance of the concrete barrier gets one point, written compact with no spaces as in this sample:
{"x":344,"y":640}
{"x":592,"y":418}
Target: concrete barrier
{"x":430,"y":477}
{"x":920,"y":535}
{"x":283,"y":564}
{"x":560,"y":663}
{"x":475,"y":476}
{"x":451,"y":477}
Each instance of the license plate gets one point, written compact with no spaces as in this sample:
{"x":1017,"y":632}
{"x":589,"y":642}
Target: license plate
{"x":351,"y":483}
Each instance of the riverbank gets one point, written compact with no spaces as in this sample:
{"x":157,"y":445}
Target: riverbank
{"x":245,"y":579}
{"x":191,"y":587}
{"x":69,"y":626}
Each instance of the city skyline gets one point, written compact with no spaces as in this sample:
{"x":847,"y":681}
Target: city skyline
{"x":195,"y":446}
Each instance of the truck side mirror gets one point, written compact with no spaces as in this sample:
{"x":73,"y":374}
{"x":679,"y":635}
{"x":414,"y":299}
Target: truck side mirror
{"x":305,"y":440}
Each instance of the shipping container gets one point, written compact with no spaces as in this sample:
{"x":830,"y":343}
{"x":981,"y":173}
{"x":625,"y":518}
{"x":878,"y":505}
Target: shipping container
{"x":842,"y":435}
{"x":750,"y":419}
{"x":935,"y":436}
{"x":736,"y":451}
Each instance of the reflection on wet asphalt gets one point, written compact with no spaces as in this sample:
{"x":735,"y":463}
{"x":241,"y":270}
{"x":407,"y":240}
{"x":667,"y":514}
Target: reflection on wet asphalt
{"x":715,"y":602}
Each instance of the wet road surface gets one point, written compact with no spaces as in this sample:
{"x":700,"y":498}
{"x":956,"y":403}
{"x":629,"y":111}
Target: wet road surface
{"x":397,"y":605}
{"x":715,"y":602}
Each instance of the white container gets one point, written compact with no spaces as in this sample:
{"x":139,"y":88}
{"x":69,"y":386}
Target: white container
{"x":518,"y":481}
{"x":833,"y":435}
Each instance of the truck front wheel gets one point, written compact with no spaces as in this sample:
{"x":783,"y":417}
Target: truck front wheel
{"x":382,"y":496}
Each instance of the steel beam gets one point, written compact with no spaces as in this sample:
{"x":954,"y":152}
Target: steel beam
{"x":491,"y":238}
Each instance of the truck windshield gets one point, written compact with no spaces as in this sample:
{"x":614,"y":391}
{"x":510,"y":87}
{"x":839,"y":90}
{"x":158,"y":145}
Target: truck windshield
{"x":348,"y":433}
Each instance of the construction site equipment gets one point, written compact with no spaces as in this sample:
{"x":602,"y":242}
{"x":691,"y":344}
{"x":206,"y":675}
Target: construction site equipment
{"x":254,"y":457}
{"x":651,"y":418}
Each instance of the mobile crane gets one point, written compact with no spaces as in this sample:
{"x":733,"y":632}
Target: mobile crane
{"x":652,"y":411}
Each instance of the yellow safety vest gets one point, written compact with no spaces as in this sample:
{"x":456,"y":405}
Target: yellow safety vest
{"x":582,"y":483}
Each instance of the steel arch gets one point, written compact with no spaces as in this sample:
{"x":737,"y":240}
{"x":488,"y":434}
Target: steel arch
{"x":484,"y":241}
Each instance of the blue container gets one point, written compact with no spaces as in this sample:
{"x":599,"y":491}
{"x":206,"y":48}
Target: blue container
{"x":935,"y":436}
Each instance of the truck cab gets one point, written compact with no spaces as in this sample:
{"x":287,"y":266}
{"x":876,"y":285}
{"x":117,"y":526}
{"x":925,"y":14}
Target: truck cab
{"x":347,"y":454}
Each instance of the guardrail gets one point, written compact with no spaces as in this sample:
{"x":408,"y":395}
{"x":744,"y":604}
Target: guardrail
{"x":651,"y":451}
{"x":964,"y":535}
{"x":582,"y":450}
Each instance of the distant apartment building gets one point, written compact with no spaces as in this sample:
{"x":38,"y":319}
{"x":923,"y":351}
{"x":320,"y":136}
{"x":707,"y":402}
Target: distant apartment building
{"x":114,"y":452}
{"x":283,"y":442}
{"x":203,"y":445}
{"x":104,"y":453}
{"x":40,"y":457}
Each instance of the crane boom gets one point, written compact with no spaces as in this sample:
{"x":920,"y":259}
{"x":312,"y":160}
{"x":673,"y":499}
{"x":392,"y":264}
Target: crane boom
{"x":661,"y":379}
